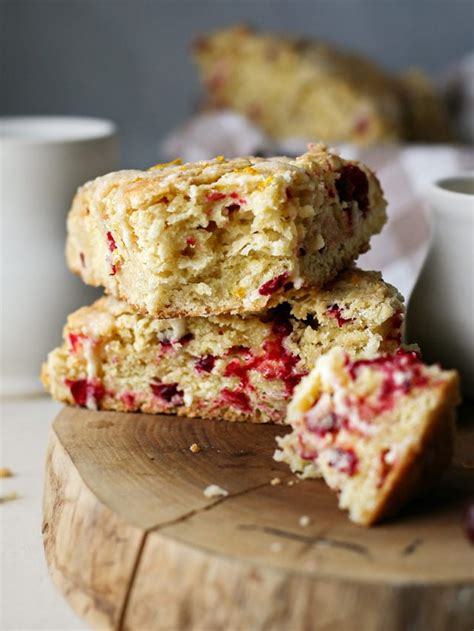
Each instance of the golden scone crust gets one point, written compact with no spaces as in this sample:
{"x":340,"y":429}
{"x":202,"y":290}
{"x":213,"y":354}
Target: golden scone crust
{"x":229,"y":367}
{"x":222,"y":236}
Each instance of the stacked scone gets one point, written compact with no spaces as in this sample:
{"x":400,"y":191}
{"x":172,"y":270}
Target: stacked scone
{"x":222,"y":282}
{"x":226,"y":280}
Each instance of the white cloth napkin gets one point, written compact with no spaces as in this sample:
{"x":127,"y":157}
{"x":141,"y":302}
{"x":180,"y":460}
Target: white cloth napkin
{"x":405,"y":171}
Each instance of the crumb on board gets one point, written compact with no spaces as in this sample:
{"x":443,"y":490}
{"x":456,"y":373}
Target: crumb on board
{"x":276,"y":546}
{"x":215,"y":491}
{"x":304,"y":521}
{"x":9,"y":497}
{"x":194,"y":448}
{"x":290,"y":482}
{"x":275,"y":481}
{"x":5,"y":472}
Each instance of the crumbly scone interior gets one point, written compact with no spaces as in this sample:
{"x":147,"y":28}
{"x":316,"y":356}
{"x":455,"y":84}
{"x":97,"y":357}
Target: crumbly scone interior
{"x":207,"y":366}
{"x":360,"y":425}
{"x":245,"y":231}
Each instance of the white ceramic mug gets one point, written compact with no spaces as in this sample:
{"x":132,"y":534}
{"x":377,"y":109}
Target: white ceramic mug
{"x":441,"y":309}
{"x":43,"y":159}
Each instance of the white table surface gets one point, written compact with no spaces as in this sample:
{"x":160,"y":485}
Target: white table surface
{"x":28,"y":598}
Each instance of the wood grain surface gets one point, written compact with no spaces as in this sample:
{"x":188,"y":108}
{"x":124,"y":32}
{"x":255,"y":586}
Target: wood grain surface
{"x":133,"y":543}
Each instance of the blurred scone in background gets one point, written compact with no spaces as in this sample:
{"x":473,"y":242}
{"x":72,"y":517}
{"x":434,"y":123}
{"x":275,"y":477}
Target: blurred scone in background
{"x":302,"y":88}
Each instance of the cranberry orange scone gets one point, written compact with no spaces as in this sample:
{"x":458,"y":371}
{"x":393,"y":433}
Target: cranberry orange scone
{"x":231,"y":367}
{"x":295,"y":88}
{"x":223,"y":236}
{"x":299,"y":88}
{"x":375,"y":429}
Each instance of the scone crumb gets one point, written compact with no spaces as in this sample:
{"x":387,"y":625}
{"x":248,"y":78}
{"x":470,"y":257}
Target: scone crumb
{"x":163,"y":165}
{"x":304,"y":521}
{"x":290,"y":482}
{"x":194,"y":448}
{"x":276,"y":546}
{"x":275,"y":481}
{"x":215,"y":491}
{"x":5,"y":472}
{"x":9,"y":497}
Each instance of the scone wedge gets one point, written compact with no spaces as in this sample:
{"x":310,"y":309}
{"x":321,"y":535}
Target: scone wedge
{"x":223,"y":236}
{"x":377,"y":430}
{"x":230,"y":367}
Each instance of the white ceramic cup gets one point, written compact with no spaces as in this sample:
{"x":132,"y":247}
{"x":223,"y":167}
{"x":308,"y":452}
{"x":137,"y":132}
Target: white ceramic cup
{"x":441,"y":309}
{"x":43,"y":159}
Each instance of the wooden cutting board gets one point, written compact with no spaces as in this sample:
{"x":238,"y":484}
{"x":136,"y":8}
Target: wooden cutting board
{"x":133,"y":543}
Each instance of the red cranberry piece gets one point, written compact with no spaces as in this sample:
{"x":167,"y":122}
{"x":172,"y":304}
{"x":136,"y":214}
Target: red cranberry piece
{"x":128,"y":399}
{"x":215,"y":196}
{"x":185,"y":339}
{"x":78,"y":390}
{"x":397,"y":325}
{"x":274,"y":284}
{"x":235,"y":368}
{"x":191,"y":241}
{"x":111,"y":242}
{"x":271,"y":369}
{"x":82,"y":390}
{"x":334,"y":311}
{"x":362,"y":125}
{"x":166,"y":345}
{"x":232,"y":208}
{"x":402,"y":359}
{"x":236,"y":399}
{"x":292,"y":381}
{"x":275,"y":350}
{"x":169,"y":392}
{"x":235,"y":195}
{"x":113,"y":270}
{"x":205,"y":363}
{"x":305,"y":452}
{"x":329,"y":424}
{"x":345,"y":461}
{"x":353,"y":185}
{"x":76,"y":340}
{"x":468,"y":520}
{"x":280,"y":328}
{"x":211,"y":227}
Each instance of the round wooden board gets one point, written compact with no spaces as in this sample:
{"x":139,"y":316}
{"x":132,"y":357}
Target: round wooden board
{"x":133,"y":543}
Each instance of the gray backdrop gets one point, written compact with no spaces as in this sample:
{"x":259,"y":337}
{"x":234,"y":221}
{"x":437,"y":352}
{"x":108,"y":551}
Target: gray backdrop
{"x":129,"y":59}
